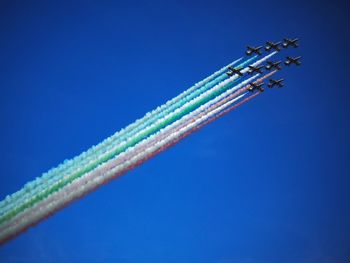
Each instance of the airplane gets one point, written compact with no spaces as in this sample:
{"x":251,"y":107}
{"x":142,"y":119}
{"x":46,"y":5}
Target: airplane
{"x":253,"y":69}
{"x":291,"y":60}
{"x":254,"y":86}
{"x":290,"y":42}
{"x":270,"y":45}
{"x":273,"y":65}
{"x":233,"y":71}
{"x":279,"y":83}
{"x":251,"y":50}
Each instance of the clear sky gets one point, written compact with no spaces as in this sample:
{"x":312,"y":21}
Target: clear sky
{"x":267,"y":183}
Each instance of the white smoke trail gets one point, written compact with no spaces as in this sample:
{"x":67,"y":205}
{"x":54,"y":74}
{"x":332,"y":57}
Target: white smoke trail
{"x":141,"y":133}
{"x":44,"y":187}
{"x":99,"y":179}
{"x":68,"y":165}
{"x":86,"y":178}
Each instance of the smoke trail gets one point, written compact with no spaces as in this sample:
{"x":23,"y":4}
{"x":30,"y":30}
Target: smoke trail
{"x":68,"y":166}
{"x":149,"y":142}
{"x":210,"y":120}
{"x":202,"y":107}
{"x":203,"y":110}
{"x":68,"y":196}
{"x":133,"y":141}
{"x":50,"y":182}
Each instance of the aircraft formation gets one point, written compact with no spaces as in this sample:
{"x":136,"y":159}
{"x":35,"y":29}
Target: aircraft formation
{"x":270,"y":46}
{"x":216,"y":95}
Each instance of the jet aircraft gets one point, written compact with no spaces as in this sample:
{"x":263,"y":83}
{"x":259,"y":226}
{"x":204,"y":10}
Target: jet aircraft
{"x":290,"y":42}
{"x":278,"y":83}
{"x":273,"y":65}
{"x":256,"y":69}
{"x":293,"y":60}
{"x":251,"y":50}
{"x":233,"y":71}
{"x":254,"y":86}
{"x":271,"y":45}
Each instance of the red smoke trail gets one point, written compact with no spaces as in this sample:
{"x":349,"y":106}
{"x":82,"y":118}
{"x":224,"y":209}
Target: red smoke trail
{"x":164,"y":147}
{"x":139,"y":162}
{"x":194,"y":118}
{"x":184,"y":135}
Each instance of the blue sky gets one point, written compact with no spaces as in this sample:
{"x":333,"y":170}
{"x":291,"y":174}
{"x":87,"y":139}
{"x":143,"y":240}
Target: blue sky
{"x":267,"y":183}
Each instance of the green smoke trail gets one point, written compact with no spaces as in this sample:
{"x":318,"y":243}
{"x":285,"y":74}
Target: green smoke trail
{"x":42,"y":187}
